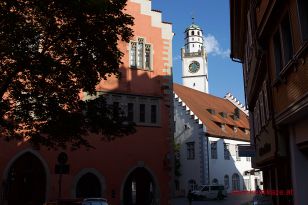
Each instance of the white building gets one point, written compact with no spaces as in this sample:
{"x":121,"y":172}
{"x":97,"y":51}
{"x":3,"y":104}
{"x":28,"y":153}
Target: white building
{"x":208,"y":129}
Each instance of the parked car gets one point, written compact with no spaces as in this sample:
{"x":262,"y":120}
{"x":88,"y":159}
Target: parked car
{"x":210,"y":192}
{"x":262,"y":200}
{"x":94,"y":201}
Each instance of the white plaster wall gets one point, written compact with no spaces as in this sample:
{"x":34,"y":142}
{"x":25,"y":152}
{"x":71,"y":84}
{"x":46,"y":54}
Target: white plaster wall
{"x":200,"y":78}
{"x":197,"y":83}
{"x":190,"y":169}
{"x":220,"y":167}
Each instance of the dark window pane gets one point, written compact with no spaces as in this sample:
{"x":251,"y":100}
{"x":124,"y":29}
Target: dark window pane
{"x":130,"y":112}
{"x":277,"y":50}
{"x":153,"y":114}
{"x":287,"y":39}
{"x":115,"y":107}
{"x":303,"y":15}
{"x":142,"y":113}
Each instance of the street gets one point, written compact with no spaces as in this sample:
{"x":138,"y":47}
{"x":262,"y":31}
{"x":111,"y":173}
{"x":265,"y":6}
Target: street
{"x":241,"y":199}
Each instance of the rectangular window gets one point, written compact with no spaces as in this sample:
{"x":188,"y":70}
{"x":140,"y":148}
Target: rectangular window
{"x":248,"y":159}
{"x":238,"y":158}
{"x":148,"y":56}
{"x":140,"y":53}
{"x":130,"y":112}
{"x":190,"y":150}
{"x":153,"y":114}
{"x":226,"y":151}
{"x":287,"y":39}
{"x":277,"y":51}
{"x":262,"y":108}
{"x":283,"y":46}
{"x":266,"y":102}
{"x":115,"y":108}
{"x":133,"y":47}
{"x":303,"y":18}
{"x":214,"y":150}
{"x":142,"y":113}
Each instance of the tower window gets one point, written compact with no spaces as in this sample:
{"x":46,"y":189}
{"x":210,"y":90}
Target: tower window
{"x":192,"y":33}
{"x":192,"y":38}
{"x":198,"y":32}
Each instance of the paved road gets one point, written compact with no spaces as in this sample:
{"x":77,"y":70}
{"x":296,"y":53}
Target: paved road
{"x":230,"y":200}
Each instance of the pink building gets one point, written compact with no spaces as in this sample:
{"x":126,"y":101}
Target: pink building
{"x":131,"y":170}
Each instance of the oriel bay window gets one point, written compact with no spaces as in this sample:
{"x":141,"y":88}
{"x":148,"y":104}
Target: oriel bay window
{"x":141,"y":54}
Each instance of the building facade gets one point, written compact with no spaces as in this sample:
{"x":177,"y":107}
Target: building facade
{"x":207,"y":137}
{"x":270,"y":39}
{"x":129,"y":170}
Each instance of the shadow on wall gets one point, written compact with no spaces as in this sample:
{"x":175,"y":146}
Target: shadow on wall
{"x":134,"y":82}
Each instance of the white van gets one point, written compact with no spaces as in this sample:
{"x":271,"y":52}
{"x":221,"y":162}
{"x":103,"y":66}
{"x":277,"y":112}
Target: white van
{"x":210,"y":192}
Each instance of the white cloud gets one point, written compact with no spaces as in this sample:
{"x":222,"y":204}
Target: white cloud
{"x":176,"y":58}
{"x":212,"y":47}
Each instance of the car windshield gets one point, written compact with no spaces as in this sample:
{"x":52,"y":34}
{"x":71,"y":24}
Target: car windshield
{"x":94,"y":202}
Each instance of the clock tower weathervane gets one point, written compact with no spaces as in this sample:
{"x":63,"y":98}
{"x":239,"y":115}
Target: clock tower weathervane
{"x":194,"y":59}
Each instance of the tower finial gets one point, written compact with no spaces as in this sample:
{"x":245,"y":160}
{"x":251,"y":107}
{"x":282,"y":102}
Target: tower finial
{"x":193,"y":17}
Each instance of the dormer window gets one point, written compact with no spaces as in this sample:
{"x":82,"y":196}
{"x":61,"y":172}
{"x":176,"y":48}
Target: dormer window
{"x":223,"y":126}
{"x":212,"y":111}
{"x":223,"y":114}
{"x":246,"y":131}
{"x":235,"y":128}
{"x":236,"y":114}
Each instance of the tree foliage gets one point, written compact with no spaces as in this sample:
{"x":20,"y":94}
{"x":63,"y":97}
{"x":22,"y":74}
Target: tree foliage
{"x":50,"y":52}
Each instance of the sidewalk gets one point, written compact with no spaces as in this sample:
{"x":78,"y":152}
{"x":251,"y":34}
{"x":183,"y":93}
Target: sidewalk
{"x":232,"y":199}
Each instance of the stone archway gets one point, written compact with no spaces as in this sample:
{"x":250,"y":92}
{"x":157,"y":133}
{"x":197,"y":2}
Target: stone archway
{"x":139,"y":188}
{"x":88,"y":186}
{"x":26,"y":181}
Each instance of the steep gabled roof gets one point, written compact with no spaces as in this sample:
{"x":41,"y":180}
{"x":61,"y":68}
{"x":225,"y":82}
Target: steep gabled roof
{"x":201,"y":104}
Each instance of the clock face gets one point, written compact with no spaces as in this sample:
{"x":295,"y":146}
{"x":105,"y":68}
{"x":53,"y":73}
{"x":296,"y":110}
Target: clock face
{"x":194,"y":67}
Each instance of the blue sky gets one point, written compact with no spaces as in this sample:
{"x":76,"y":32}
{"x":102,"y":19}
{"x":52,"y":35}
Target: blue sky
{"x":213,"y":17}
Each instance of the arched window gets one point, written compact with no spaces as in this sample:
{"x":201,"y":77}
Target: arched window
{"x":198,"y":32}
{"x":192,"y":33}
{"x":235,"y":182}
{"x":192,"y":185}
{"x":226,"y":181}
{"x":215,"y":181}
{"x":88,"y":186}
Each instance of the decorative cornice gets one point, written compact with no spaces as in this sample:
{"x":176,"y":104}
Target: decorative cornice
{"x":183,"y":104}
{"x":236,"y":102}
{"x":156,"y":18}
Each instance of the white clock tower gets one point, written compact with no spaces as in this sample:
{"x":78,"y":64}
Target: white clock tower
{"x":194,"y":60}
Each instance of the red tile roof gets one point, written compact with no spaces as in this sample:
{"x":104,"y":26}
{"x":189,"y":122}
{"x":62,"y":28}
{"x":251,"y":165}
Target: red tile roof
{"x":199,"y":103}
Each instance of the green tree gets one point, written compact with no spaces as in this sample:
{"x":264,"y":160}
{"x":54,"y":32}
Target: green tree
{"x":50,"y":51}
